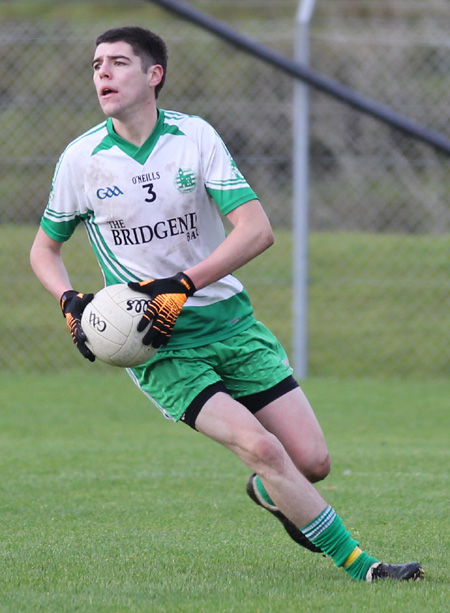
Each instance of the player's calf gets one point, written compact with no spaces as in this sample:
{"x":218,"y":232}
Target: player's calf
{"x":257,"y":493}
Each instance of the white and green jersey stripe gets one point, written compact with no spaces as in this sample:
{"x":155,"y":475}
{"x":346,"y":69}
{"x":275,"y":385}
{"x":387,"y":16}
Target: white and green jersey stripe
{"x":153,"y":210}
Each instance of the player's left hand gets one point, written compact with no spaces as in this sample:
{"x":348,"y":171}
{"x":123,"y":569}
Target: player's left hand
{"x":72,"y":305}
{"x":167,"y":299}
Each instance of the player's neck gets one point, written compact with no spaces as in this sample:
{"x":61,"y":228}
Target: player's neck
{"x":136,"y":129}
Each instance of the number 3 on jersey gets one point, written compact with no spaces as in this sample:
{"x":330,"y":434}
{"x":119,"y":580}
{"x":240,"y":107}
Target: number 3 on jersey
{"x":151,"y":196}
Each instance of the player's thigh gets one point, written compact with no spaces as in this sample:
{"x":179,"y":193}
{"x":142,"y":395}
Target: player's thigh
{"x":228,"y":422}
{"x":292,"y":420}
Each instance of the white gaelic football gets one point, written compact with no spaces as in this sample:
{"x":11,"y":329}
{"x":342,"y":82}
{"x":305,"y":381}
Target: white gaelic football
{"x":109,"y":322}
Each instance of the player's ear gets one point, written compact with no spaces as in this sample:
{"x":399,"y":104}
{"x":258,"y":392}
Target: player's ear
{"x":155,"y":75}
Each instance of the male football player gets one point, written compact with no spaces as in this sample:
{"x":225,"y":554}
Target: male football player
{"x":148,"y":184}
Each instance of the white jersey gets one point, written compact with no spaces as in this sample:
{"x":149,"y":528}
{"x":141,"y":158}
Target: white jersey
{"x":152,"y":211}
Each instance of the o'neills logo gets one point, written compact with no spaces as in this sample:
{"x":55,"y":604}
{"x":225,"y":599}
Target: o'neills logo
{"x":186,"y":225}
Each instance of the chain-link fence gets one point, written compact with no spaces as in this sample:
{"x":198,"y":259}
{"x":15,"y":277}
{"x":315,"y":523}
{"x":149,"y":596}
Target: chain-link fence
{"x":380,"y":210}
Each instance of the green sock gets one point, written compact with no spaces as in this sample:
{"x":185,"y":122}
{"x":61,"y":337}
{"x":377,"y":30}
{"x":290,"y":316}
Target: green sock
{"x":329,"y":533}
{"x":358,"y":569}
{"x":262,"y":491}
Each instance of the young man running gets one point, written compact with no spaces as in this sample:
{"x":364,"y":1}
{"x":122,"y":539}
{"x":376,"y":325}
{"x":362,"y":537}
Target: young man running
{"x":148,"y":185}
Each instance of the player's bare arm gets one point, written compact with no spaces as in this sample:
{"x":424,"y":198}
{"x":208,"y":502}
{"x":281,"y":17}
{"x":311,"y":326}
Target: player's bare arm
{"x":48,"y":265}
{"x":251,"y":235}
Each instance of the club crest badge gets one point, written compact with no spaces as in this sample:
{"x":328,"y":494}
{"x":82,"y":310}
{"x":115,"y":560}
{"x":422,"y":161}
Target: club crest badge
{"x":185,"y":180}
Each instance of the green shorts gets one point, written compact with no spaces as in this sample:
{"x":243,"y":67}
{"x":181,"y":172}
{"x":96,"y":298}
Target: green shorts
{"x":245,"y":364}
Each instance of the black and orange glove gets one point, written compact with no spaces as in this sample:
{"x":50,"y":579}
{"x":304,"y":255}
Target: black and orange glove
{"x":167,"y":299}
{"x":72,"y":305}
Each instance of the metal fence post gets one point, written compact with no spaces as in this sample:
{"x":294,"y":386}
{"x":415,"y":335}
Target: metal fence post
{"x":300,"y":191}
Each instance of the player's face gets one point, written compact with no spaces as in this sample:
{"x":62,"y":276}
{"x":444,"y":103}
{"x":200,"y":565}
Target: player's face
{"x":123,"y":90}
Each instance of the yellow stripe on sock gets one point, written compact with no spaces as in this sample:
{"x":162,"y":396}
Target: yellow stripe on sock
{"x":352,"y":557}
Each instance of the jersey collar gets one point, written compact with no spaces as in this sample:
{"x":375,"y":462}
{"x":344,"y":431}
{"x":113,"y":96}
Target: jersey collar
{"x":142,"y":153}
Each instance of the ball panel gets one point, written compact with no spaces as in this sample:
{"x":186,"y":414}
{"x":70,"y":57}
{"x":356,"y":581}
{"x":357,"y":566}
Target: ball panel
{"x":109,"y":322}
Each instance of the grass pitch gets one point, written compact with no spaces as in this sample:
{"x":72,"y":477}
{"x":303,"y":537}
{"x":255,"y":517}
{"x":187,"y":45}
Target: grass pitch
{"x":108,"y":507}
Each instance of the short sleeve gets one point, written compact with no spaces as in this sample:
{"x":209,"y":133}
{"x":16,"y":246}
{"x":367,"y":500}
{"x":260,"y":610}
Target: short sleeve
{"x":223,"y":180}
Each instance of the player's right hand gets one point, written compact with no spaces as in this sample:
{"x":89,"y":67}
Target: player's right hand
{"x":72,"y":305}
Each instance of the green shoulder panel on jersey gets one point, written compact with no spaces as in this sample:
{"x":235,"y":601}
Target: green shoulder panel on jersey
{"x":61,"y":225}
{"x":98,"y":128}
{"x":104,"y":145}
{"x":197,"y":326}
{"x":87,"y":134}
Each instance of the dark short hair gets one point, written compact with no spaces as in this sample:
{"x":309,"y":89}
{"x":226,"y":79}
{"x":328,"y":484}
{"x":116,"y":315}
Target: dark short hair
{"x":149,"y":47}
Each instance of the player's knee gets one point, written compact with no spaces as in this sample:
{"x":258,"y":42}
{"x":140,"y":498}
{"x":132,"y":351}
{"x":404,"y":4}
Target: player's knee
{"x":265,"y":450}
{"x":319,"y":469}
